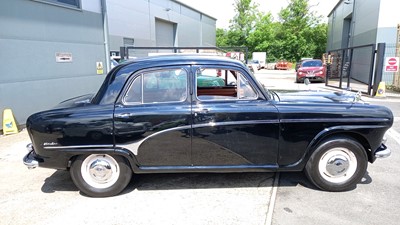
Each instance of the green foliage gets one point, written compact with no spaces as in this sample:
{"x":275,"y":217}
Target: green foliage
{"x":297,"y":33}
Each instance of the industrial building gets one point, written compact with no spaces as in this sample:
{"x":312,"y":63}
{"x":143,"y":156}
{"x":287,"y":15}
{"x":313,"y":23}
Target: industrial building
{"x":360,"y":22}
{"x":354,"y":23}
{"x":52,"y":50}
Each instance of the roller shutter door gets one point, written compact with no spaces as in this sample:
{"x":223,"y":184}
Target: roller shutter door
{"x":165,"y":35}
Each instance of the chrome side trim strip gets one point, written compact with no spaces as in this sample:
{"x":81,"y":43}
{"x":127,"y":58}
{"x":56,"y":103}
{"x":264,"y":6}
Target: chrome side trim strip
{"x":77,"y":146}
{"x":231,"y":123}
{"x":314,"y":120}
{"x":222,"y":167}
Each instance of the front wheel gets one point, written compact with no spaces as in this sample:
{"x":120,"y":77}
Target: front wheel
{"x":338,"y":164}
{"x":100,"y":175}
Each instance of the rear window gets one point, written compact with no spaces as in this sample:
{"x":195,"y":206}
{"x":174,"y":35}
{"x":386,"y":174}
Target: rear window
{"x":314,"y":63}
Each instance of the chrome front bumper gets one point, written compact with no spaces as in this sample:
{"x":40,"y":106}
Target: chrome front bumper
{"x":382,"y":152}
{"x":29,"y":160}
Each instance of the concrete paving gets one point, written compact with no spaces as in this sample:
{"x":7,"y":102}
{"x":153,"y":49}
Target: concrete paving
{"x":46,"y":196}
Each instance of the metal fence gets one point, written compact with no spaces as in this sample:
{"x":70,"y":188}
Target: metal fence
{"x":130,"y":51}
{"x":351,"y":68}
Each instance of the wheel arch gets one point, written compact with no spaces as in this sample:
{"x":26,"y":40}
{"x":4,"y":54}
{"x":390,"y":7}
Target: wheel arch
{"x":337,"y":133}
{"x":127,"y":155}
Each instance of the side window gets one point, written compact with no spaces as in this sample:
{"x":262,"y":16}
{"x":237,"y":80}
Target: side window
{"x":158,"y":86}
{"x":222,"y":84}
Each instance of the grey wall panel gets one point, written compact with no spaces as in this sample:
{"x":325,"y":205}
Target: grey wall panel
{"x":26,"y":60}
{"x":25,"y":98}
{"x":366,"y":14}
{"x":368,"y":37}
{"x":38,"y":21}
{"x":208,"y":35}
{"x":31,"y":35}
{"x":189,"y":32}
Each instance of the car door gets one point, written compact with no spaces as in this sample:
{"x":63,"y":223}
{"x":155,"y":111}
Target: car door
{"x":152,"y":117}
{"x":234,"y":125}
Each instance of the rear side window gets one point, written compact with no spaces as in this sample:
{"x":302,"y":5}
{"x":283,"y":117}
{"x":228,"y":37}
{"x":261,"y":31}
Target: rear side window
{"x":159,"y":86}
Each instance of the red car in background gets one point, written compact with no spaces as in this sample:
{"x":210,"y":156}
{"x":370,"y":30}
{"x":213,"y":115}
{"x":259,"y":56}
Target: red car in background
{"x":312,"y":69}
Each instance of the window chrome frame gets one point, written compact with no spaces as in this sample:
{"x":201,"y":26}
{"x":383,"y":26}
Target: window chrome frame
{"x":237,"y":86}
{"x":141,"y":75}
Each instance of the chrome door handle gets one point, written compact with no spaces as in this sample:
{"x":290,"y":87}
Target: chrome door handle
{"x":201,"y":112}
{"x":124,"y":115}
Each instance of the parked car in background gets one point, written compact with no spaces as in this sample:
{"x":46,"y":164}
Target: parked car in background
{"x":313,"y":70}
{"x":300,"y":62}
{"x":196,"y":113}
{"x":254,"y":64}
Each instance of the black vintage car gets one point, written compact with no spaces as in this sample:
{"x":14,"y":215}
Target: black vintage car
{"x":151,"y":116}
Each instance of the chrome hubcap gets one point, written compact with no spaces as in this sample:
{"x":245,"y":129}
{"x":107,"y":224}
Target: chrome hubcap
{"x":100,"y":171}
{"x":337,"y":165}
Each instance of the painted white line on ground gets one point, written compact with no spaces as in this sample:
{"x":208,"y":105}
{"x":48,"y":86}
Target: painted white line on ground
{"x":394,"y":134}
{"x":270,"y":212}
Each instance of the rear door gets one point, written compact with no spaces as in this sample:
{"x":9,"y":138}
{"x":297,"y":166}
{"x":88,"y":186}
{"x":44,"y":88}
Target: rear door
{"x":233,"y":124}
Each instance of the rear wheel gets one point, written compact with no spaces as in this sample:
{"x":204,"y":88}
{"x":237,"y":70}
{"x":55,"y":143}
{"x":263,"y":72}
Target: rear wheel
{"x":100,"y":175}
{"x":338,"y":164}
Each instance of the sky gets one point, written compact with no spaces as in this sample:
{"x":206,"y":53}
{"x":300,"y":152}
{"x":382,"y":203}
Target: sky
{"x":223,"y":10}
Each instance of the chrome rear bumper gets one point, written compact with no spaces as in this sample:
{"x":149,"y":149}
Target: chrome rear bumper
{"x":382,"y":152}
{"x":29,"y":160}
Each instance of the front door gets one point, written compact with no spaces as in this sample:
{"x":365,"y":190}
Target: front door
{"x":233,"y":124}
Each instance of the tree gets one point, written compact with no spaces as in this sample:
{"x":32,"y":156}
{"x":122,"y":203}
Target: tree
{"x":297,"y":30}
{"x":296,"y":34}
{"x":222,"y":37}
{"x":243,"y":22}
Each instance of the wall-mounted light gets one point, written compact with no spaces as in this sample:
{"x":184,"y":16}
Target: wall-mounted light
{"x":167,"y":9}
{"x":347,"y":2}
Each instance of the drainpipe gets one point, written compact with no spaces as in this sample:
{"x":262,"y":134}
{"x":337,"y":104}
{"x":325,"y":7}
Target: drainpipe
{"x":105,"y":33}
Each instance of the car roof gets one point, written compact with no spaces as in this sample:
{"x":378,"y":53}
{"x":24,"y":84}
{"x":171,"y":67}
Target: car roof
{"x":311,"y":60}
{"x":180,"y":58}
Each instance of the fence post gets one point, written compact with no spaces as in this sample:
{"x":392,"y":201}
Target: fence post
{"x":122,"y":53}
{"x":380,"y":57}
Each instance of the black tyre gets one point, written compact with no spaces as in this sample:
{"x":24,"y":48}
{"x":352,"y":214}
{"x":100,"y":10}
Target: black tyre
{"x":100,"y":175}
{"x":338,"y":164}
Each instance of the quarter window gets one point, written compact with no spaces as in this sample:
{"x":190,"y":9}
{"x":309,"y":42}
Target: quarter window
{"x":158,"y":86}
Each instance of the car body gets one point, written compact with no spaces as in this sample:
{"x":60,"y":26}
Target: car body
{"x":151,"y":116}
{"x":313,"y":70}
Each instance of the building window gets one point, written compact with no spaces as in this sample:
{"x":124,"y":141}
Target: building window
{"x":66,"y":3}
